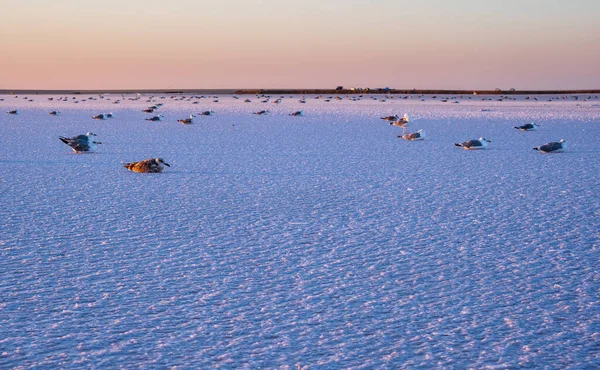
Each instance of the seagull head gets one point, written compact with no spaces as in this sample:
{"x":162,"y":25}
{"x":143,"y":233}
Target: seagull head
{"x":160,"y":160}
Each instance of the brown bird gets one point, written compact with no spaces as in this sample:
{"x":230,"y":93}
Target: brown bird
{"x":150,"y":165}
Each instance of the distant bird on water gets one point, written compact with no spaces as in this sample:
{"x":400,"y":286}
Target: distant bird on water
{"x":150,"y":165}
{"x":527,"y":127}
{"x":16,"y":111}
{"x":207,"y":113}
{"x":555,"y":146}
{"x":419,"y":135}
{"x":54,"y":113}
{"x":480,"y":143}
{"x":99,"y":116}
{"x":297,"y":113}
{"x":155,"y":118}
{"x":82,"y":143}
{"x":187,"y":121}
{"x":262,"y":112}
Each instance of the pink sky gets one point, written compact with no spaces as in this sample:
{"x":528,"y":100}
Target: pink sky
{"x":320,"y":44}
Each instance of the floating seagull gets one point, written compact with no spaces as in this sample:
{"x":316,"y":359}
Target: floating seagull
{"x":16,"y":111}
{"x":155,"y":118}
{"x":419,"y":135}
{"x":187,"y":121}
{"x":150,"y":165}
{"x":82,"y":143}
{"x":207,"y":113}
{"x":99,"y":116}
{"x":262,"y":112}
{"x":552,"y":147}
{"x":54,"y":113}
{"x":480,"y":143}
{"x":109,"y":115}
{"x":297,"y":113}
{"x":527,"y":127}
{"x":149,"y":110}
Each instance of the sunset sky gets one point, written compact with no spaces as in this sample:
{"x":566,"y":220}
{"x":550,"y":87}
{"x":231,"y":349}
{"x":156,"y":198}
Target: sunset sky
{"x":147,"y":44}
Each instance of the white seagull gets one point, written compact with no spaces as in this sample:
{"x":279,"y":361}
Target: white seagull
{"x":480,"y":143}
{"x":82,"y":143}
{"x":419,"y":135}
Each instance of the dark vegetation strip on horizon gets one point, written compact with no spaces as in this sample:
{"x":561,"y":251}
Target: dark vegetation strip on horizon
{"x":298,"y":91}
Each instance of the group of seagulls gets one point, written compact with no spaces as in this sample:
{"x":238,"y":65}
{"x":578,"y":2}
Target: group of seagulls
{"x":473,"y":144}
{"x":87,"y":144}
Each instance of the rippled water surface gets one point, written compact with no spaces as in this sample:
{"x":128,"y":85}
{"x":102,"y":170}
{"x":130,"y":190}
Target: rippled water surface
{"x":321,"y":241}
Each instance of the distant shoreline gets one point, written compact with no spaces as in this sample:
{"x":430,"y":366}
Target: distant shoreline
{"x":298,"y":91}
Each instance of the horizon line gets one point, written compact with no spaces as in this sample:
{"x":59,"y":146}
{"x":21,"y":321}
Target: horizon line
{"x":299,"y":91}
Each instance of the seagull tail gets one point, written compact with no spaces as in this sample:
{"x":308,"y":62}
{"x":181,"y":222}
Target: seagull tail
{"x":458,"y":144}
{"x":536,"y":148}
{"x":64,"y":140}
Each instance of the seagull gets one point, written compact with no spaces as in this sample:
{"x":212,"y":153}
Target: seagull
{"x":82,"y":143}
{"x":391,"y":118}
{"x":187,"y":121}
{"x":480,"y":143}
{"x":262,"y":112}
{"x":54,"y":113}
{"x":527,"y":127}
{"x":552,"y":147}
{"x":207,"y":113}
{"x":99,"y":116}
{"x":297,"y":113}
{"x":16,"y":111}
{"x":155,"y":118}
{"x":148,"y":110}
{"x":109,"y":115}
{"x":419,"y":135}
{"x":400,"y":122}
{"x":150,"y":165}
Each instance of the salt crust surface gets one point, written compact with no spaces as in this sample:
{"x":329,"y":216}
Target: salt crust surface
{"x":320,"y":241}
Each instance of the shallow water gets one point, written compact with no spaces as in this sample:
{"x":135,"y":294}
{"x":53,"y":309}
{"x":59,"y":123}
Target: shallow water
{"x":320,"y":241}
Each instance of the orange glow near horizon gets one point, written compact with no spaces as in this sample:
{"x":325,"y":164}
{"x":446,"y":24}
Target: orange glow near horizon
{"x":264,"y":44}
